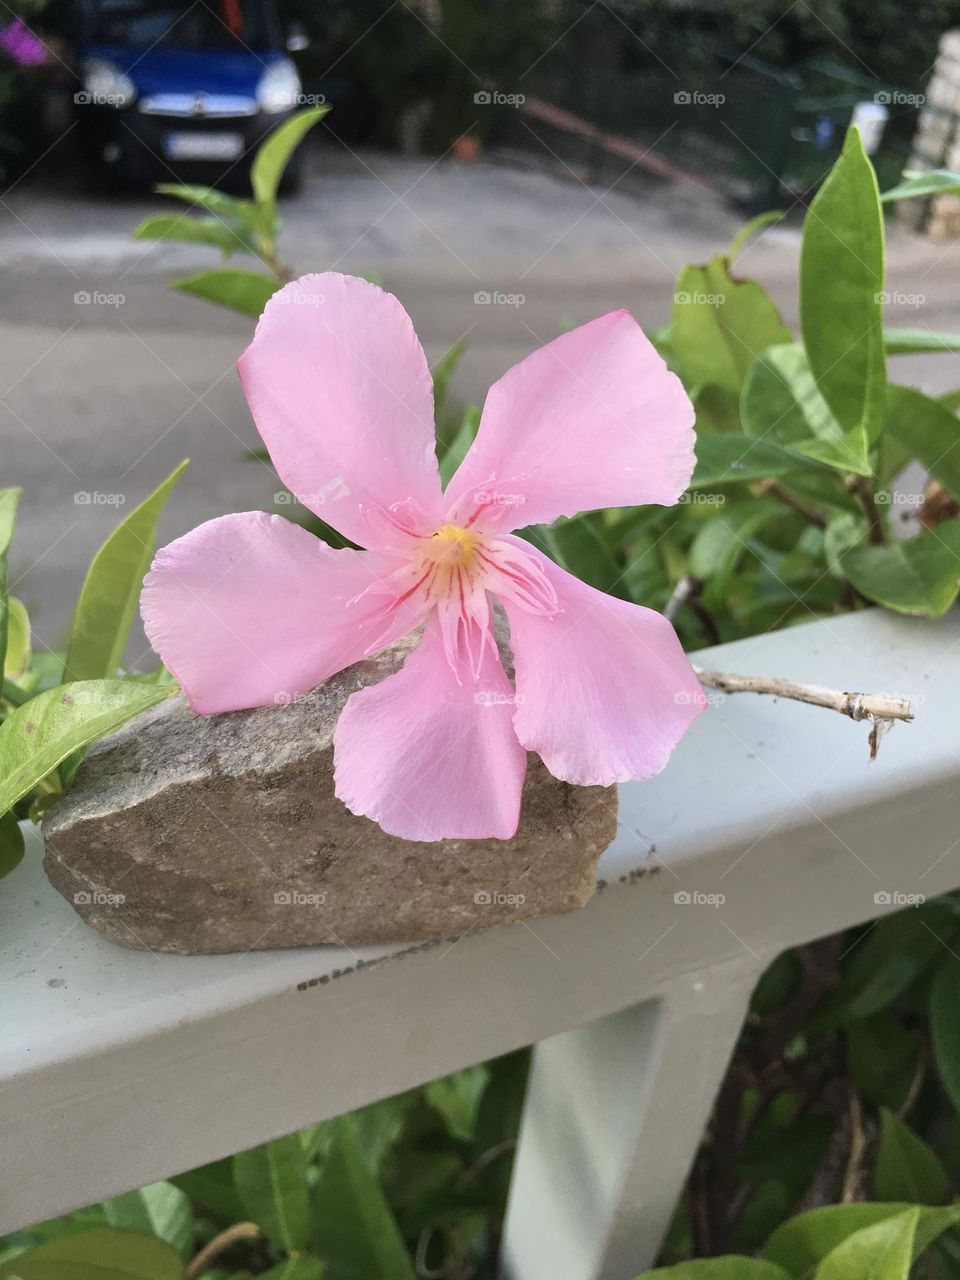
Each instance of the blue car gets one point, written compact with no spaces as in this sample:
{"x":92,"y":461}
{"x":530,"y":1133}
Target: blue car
{"x":181,"y":89}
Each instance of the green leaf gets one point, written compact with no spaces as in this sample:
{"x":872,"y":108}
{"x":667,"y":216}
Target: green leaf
{"x":909,"y":342}
{"x":945,"y":1028}
{"x":212,"y":1186}
{"x":803,"y":1241}
{"x":457,"y":1098}
{"x":37,"y":736}
{"x":274,"y":153}
{"x":443,"y":372}
{"x":11,"y":844}
{"x":928,"y":431}
{"x":233,"y":287}
{"x":883,"y":1251}
{"x":721,"y":325}
{"x":882,"y":1059}
{"x":918,"y":576}
{"x":934,"y":182}
{"x":272,"y":1182}
{"x":884,"y":962}
{"x":730,"y":1268}
{"x":17,"y":662}
{"x":841,"y":281}
{"x":111,"y":590}
{"x":101,"y":1254}
{"x":160,"y":1209}
{"x":299,"y":1268}
{"x":231,"y":208}
{"x":8,"y":517}
{"x":750,"y":229}
{"x":781,"y":404}
{"x":906,"y":1167}
{"x":722,"y":541}
{"x":578,"y":547}
{"x":456,"y":451}
{"x":353,"y":1224}
{"x":723,"y":458}
{"x":185,"y":229}
{"x":845,"y":530}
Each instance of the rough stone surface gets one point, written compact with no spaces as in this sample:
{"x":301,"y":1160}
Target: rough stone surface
{"x":199,"y":835}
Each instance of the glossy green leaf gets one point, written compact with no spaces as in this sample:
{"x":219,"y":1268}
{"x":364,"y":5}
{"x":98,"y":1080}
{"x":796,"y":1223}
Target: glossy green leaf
{"x":723,"y":458}
{"x":353,"y":1224}
{"x":845,"y":530}
{"x":111,"y":591}
{"x":750,"y":229}
{"x":841,"y":283}
{"x":951,"y":399}
{"x":457,"y":1098}
{"x":9,"y":499}
{"x":443,"y":372}
{"x":17,"y":661}
{"x":805,"y":1240}
{"x":160,"y":1210}
{"x":456,"y":451}
{"x":883,"y":1251}
{"x":103,"y":1253}
{"x":781,"y":404}
{"x":906,"y":1168}
{"x":722,"y":541}
{"x":233,"y":287}
{"x":274,"y":154}
{"x":945,"y":1027}
{"x":272,"y":1183}
{"x":11,"y":844}
{"x":929,"y":432}
{"x":919,"y":576}
{"x":36,"y":737}
{"x":729,"y":1268}
{"x":186,"y":229}
{"x":910,"y":342}
{"x":721,"y":325}
{"x":212,"y":1186}
{"x":934,"y":182}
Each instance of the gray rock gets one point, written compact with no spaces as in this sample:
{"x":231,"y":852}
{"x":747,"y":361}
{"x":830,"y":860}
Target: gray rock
{"x":198,"y":835}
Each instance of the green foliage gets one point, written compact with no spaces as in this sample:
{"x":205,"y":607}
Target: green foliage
{"x":271,"y":1181}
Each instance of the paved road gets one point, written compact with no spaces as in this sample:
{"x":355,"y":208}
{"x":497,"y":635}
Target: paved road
{"x":107,"y":398}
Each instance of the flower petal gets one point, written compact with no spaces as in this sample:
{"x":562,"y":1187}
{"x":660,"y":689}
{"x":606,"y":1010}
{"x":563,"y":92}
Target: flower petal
{"x":592,"y":419}
{"x":341,"y":393}
{"x":430,"y":758}
{"x":604,"y":690}
{"x":251,"y":609}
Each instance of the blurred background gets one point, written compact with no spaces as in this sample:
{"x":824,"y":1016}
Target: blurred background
{"x":508,"y":170}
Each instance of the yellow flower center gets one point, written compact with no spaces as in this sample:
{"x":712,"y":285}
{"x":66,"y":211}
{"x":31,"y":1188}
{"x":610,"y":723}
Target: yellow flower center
{"x":449,"y":557}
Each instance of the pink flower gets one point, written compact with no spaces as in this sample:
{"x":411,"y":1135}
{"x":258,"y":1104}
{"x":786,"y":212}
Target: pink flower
{"x":250,"y":609}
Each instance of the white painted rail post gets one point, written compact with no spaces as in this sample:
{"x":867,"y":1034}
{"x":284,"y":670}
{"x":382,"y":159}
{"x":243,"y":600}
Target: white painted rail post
{"x":615,"y":1110}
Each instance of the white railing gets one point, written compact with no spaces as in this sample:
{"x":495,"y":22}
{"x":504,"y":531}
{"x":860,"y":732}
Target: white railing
{"x":120,"y":1067}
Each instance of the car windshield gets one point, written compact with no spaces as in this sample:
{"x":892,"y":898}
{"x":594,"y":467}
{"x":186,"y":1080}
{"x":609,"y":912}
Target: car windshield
{"x":183,"y":24}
